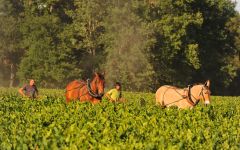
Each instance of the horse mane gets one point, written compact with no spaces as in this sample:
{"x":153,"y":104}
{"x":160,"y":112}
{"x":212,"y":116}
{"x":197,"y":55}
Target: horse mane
{"x":101,"y":76}
{"x":194,"y":84}
{"x":190,"y":85}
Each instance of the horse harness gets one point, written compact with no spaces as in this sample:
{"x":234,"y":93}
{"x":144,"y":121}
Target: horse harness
{"x":188,"y":97}
{"x":89,"y":90}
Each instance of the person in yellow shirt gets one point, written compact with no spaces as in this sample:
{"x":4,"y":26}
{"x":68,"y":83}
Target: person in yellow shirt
{"x":115,"y":94}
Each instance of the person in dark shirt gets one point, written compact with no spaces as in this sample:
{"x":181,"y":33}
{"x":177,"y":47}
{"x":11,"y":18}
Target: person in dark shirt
{"x":30,"y":90}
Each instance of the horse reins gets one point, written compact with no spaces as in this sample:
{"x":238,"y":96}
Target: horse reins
{"x":184,"y":97}
{"x":189,"y":97}
{"x":78,"y":87}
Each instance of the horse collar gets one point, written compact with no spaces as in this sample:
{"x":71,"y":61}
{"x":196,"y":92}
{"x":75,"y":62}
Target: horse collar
{"x":190,"y":96}
{"x":90,"y":91}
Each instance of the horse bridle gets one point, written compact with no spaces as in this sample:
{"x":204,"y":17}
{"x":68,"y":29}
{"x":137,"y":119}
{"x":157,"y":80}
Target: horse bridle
{"x":201,"y":93}
{"x":190,"y":95}
{"x":90,"y":91}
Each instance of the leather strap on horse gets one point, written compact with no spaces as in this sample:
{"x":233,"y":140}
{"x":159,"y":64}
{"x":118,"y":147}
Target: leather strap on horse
{"x":188,"y":97}
{"x":78,"y":87}
{"x":90,"y":91}
{"x":183,"y":97}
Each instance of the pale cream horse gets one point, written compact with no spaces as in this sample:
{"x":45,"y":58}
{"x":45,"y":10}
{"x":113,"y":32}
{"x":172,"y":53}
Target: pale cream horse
{"x":189,"y":97}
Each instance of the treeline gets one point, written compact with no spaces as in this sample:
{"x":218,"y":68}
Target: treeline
{"x":141,"y":43}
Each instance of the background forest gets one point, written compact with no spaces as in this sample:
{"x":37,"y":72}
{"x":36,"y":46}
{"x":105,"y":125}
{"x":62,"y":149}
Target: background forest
{"x":141,"y":43}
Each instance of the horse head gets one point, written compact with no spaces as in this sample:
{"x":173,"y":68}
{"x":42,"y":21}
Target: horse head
{"x":200,"y":91}
{"x":99,"y":83}
{"x":205,"y":92}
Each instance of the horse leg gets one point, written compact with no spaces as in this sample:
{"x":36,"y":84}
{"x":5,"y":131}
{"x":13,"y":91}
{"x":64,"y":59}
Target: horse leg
{"x":67,"y":97}
{"x":70,"y":95}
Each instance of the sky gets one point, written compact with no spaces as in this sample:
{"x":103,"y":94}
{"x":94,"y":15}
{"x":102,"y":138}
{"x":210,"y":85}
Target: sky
{"x":238,"y":5}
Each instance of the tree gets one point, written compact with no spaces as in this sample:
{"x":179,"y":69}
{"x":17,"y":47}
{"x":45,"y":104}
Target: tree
{"x":127,"y":48}
{"x":83,"y":36}
{"x":142,"y":43}
{"x":175,"y":55}
{"x":234,"y":28}
{"x":216,"y":43}
{"x":45,"y":59}
{"x":10,"y":37}
{"x":192,"y":42}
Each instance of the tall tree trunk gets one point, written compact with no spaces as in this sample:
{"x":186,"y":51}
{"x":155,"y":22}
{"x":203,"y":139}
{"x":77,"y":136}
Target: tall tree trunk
{"x":93,"y":52}
{"x":12,"y":75}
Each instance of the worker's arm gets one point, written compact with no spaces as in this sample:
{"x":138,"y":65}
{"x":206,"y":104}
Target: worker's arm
{"x":109,"y":97}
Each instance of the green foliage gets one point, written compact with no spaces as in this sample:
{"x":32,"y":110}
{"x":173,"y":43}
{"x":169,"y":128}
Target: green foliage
{"x":45,"y":60}
{"x":49,"y":123}
{"x":127,"y":49}
{"x":191,"y":39}
{"x":212,"y":37}
{"x":10,"y":38}
{"x":175,"y":54}
{"x":141,"y":43}
{"x":83,"y":35}
{"x":233,"y":26}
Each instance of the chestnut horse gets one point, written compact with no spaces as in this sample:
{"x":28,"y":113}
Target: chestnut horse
{"x":189,"y":97}
{"x":86,"y":91}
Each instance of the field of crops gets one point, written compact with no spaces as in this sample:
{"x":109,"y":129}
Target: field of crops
{"x":48,"y":123}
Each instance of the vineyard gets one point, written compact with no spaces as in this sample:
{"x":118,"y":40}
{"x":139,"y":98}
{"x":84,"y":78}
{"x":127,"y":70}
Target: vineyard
{"x":49,"y":123}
